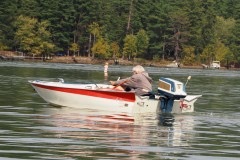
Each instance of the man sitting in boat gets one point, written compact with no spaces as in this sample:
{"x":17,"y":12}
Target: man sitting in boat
{"x":140,"y":81}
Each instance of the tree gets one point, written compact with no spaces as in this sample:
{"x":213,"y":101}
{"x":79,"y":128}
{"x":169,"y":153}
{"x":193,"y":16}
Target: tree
{"x":114,"y":50}
{"x":154,"y":17}
{"x":3,"y":47}
{"x":217,"y":51}
{"x":44,"y":45}
{"x":130,"y":47}
{"x":142,"y":42}
{"x":60,"y":14}
{"x":101,"y":48}
{"x":8,"y":11}
{"x":221,"y":52}
{"x":28,"y":8}
{"x":188,"y":55}
{"x":74,"y":48}
{"x":130,"y":16}
{"x":33,"y":36}
{"x":25,"y":34}
{"x":179,"y":26}
{"x":222,"y":32}
{"x":169,"y":24}
{"x":94,"y":29}
{"x":223,"y":28}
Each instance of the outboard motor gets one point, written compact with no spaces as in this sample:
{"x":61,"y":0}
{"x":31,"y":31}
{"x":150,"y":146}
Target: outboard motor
{"x":170,"y":90}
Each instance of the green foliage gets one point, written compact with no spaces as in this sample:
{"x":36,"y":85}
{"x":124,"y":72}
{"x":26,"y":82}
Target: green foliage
{"x":95,"y":29}
{"x":44,"y":45}
{"x":217,"y":49}
{"x":74,"y":47}
{"x":207,"y":54}
{"x":142,"y":42}
{"x":161,"y":28}
{"x":156,"y":58}
{"x":101,"y":48}
{"x":114,"y":50}
{"x":189,"y":55}
{"x":221,"y":51}
{"x":25,"y":34}
{"x":32,"y":36}
{"x":3,"y":47}
{"x":179,"y":26}
{"x":8,"y":11}
{"x":155,"y":14}
{"x":28,"y":8}
{"x":223,"y":27}
{"x":135,"y":45}
{"x":130,"y":47}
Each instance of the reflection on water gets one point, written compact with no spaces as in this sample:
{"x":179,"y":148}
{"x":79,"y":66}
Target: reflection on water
{"x":120,"y":127}
{"x":32,"y":129}
{"x":166,"y":119}
{"x":73,"y":133}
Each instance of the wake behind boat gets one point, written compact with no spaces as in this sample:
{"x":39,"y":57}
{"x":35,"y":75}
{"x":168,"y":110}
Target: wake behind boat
{"x":171,"y":97}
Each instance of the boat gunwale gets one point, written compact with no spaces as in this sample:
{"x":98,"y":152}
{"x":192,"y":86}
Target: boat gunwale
{"x":109,"y":94}
{"x":78,"y":86}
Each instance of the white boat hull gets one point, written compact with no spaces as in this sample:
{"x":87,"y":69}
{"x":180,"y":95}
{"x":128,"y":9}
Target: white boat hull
{"x":102,"y":97}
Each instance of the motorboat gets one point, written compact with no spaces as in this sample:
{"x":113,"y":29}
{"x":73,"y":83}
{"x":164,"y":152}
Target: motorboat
{"x":213,"y":65}
{"x":171,"y":97}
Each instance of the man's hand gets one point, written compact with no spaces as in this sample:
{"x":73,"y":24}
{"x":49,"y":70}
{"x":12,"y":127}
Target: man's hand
{"x":112,"y":82}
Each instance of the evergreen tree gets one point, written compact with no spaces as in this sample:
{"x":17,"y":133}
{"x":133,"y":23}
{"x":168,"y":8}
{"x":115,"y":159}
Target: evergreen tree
{"x":86,"y":12}
{"x":173,"y":27}
{"x":28,"y":8}
{"x":60,"y":14}
{"x":142,"y":42}
{"x":8,"y":11}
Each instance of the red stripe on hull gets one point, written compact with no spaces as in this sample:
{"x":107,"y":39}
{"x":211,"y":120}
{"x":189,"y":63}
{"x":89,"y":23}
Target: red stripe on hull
{"x":109,"y":94}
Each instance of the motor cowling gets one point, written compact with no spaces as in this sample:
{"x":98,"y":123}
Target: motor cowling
{"x":170,"y":90}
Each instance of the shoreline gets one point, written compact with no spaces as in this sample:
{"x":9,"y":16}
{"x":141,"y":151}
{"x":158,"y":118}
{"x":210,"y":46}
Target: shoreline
{"x":87,"y":60}
{"x":145,"y":63}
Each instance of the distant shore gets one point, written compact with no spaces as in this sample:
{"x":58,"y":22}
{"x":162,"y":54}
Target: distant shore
{"x":89,"y":60}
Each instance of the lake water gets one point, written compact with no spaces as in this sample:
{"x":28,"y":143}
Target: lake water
{"x":32,"y":129}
